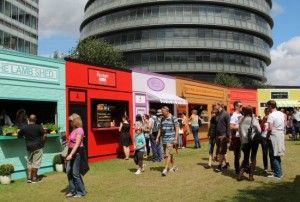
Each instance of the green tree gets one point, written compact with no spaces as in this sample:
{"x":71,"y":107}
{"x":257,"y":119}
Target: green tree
{"x":97,"y":51}
{"x":228,"y":80}
{"x":56,"y":54}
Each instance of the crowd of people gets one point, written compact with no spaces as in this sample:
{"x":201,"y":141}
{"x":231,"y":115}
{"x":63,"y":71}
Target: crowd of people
{"x":161,"y":134}
{"x":243,"y":132}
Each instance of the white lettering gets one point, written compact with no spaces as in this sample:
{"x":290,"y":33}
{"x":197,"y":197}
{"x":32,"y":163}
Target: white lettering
{"x":31,"y":72}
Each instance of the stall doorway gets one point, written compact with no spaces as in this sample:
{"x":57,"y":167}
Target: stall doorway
{"x":158,"y":105}
{"x":46,"y":112}
{"x":81,"y":110}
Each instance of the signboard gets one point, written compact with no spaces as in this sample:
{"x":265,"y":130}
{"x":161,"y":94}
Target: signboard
{"x":279,"y":95}
{"x":156,"y":84}
{"x":78,"y":96}
{"x":197,"y":91}
{"x":140,"y":99}
{"x":103,"y":78}
{"x":11,"y":70}
{"x":140,"y":110}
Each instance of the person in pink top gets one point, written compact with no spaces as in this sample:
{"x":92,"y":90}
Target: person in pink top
{"x":76,"y":160}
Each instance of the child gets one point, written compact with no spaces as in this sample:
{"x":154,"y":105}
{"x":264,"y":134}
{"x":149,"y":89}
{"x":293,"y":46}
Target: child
{"x":139,"y":147}
{"x":180,"y":132}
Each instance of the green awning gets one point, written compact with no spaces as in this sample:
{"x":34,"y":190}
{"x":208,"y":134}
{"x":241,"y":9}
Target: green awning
{"x":288,"y":103}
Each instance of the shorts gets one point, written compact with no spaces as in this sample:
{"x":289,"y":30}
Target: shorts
{"x":34,"y":158}
{"x":168,"y":149}
{"x":222,"y":145}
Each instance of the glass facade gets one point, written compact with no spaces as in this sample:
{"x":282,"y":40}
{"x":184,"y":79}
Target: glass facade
{"x":196,"y":37}
{"x":19,"y":25}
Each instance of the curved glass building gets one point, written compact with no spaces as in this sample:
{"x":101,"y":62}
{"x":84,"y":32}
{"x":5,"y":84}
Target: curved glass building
{"x":192,"y":38}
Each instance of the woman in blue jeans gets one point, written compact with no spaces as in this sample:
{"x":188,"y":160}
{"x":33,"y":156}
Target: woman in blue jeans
{"x":194,"y":120}
{"x":77,"y":165}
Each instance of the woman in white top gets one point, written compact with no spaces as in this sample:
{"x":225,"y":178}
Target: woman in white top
{"x":194,"y":120}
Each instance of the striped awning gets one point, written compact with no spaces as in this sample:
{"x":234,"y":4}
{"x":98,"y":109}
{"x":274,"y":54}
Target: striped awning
{"x":288,"y":103}
{"x":166,"y":98}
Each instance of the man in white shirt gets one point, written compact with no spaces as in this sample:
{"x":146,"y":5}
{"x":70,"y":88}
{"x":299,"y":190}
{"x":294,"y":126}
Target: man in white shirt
{"x":235,"y":137}
{"x":276,"y":121}
{"x":296,"y":120}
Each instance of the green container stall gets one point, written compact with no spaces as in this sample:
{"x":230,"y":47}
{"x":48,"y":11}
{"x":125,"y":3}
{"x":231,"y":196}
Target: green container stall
{"x":37,"y":85}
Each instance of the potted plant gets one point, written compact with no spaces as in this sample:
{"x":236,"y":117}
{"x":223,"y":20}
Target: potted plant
{"x":5,"y":173}
{"x":58,"y":163}
{"x":10,"y":130}
{"x":51,"y":128}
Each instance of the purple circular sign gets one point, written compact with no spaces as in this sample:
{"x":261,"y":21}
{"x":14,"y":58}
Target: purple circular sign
{"x":156,"y":84}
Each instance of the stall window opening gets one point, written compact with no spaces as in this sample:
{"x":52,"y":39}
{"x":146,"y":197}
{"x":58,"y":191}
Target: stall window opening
{"x":46,"y":112}
{"x":108,"y":113}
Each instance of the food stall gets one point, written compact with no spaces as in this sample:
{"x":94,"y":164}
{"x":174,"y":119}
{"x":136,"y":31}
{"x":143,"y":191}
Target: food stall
{"x":101,"y":96}
{"x":35,"y":85}
{"x":246,"y":96}
{"x":201,"y":97}
{"x":151,"y":90}
{"x":286,"y":97}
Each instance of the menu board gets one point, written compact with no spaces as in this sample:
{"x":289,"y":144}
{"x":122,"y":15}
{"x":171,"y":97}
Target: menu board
{"x":103,"y":116}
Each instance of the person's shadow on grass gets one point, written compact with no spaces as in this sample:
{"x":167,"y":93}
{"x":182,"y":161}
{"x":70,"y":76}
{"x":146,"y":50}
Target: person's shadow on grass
{"x":158,"y":169}
{"x":279,"y":191}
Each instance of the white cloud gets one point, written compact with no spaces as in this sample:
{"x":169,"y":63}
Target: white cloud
{"x":60,"y":17}
{"x":277,"y":8}
{"x":285,"y":67}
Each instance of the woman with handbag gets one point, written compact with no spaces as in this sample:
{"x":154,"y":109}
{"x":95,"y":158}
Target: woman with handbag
{"x":77,"y":165}
{"x":250,"y":131}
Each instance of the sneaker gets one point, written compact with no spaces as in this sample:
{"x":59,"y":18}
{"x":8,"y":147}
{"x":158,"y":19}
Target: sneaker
{"x":219,"y":169}
{"x":29,"y":180}
{"x":138,"y":172}
{"x":174,"y":169}
{"x":70,"y":195}
{"x":274,"y":177}
{"x":164,"y":172}
{"x":77,"y":196}
{"x":35,"y":181}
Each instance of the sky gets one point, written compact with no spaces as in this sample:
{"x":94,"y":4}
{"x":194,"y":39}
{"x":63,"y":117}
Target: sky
{"x":60,"y":20}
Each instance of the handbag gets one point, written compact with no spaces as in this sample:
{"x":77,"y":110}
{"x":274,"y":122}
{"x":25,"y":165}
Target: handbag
{"x":253,"y":136}
{"x":64,"y":152}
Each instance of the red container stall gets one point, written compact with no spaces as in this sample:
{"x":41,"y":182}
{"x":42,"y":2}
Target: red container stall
{"x":246,"y":96}
{"x":101,"y":96}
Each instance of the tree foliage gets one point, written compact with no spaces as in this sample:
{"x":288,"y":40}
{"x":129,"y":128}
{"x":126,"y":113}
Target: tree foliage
{"x":228,"y":80}
{"x":97,"y":51}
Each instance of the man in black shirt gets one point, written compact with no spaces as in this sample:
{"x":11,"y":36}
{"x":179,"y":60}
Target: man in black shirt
{"x":34,"y":138}
{"x":222,"y":133}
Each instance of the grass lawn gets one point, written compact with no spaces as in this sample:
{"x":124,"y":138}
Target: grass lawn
{"x":115,"y":181}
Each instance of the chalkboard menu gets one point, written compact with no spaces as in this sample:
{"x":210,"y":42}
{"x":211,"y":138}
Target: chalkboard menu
{"x":103,"y":116}
{"x":279,"y":95}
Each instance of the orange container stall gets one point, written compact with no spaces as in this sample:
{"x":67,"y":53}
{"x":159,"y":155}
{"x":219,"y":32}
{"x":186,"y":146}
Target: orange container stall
{"x":202,"y":97}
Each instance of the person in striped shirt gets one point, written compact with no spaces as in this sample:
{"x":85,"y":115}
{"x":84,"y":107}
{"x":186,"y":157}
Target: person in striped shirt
{"x":168,"y":131}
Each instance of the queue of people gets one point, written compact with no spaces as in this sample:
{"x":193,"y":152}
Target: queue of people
{"x":243,"y":132}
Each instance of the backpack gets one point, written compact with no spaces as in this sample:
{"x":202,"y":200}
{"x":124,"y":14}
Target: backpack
{"x":155,"y":124}
{"x":253,"y":135}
